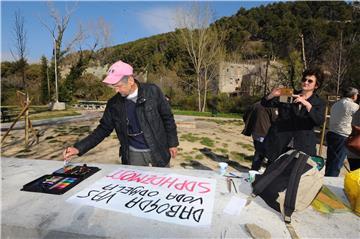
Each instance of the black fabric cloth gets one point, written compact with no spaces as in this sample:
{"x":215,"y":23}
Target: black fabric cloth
{"x":155,"y":118}
{"x":354,"y":163}
{"x":258,"y":120}
{"x":295,"y":123}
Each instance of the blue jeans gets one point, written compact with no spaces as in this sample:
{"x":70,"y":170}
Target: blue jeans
{"x":258,"y":156}
{"x":336,"y":153}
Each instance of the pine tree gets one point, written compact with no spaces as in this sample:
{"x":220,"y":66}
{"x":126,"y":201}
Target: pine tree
{"x":44,"y":91}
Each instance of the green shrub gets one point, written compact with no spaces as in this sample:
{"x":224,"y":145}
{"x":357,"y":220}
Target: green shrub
{"x":207,"y":141}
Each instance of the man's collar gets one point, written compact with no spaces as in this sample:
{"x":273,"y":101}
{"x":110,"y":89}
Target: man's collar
{"x":133,"y":95}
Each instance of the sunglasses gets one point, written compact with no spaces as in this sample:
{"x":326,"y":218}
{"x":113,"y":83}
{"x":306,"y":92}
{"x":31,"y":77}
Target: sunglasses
{"x":307,"y":80}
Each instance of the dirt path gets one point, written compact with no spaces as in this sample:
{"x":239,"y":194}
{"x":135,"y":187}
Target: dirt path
{"x":203,"y":143}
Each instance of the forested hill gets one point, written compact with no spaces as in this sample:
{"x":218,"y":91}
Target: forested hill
{"x":270,"y":30}
{"x":280,"y":24}
{"x":329,"y":31}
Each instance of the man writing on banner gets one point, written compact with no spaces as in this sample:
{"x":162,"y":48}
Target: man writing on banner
{"x":141,"y":117}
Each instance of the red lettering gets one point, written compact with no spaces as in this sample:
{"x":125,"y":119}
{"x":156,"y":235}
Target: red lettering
{"x":148,"y":179}
{"x":168,"y":181}
{"x":137,"y":178}
{"x":157,"y":180}
{"x":128,"y":175}
{"x":190,"y":186}
{"x":180,"y":186}
{"x":118,"y":174}
{"x":205,"y":186}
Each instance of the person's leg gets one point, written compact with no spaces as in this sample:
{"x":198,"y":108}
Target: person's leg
{"x":275,"y":144}
{"x":258,"y":155}
{"x":354,"y":163}
{"x":137,"y":159}
{"x":336,"y":154}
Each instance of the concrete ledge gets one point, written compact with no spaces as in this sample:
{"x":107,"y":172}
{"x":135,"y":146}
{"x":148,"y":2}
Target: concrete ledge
{"x":37,"y":215}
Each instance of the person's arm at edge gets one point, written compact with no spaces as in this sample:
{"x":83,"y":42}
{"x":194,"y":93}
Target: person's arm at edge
{"x":169,"y":122}
{"x":317,"y":111}
{"x":272,"y":99}
{"x":103,"y":130}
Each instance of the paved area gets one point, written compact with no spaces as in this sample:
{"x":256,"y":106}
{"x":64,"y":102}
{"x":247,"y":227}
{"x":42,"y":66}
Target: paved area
{"x":37,"y":215}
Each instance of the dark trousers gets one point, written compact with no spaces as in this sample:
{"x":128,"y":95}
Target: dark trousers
{"x":336,"y":154}
{"x":354,"y":163}
{"x":258,"y":156}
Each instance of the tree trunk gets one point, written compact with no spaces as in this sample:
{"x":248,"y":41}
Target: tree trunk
{"x":339,"y":65}
{"x":199,"y":92}
{"x":205,"y":91}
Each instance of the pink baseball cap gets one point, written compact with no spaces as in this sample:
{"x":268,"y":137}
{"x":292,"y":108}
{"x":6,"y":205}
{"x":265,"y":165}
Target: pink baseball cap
{"x":117,"y":71}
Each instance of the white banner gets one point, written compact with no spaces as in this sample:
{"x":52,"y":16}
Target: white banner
{"x":169,"y":198}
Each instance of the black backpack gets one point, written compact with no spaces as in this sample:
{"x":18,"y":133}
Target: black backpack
{"x":290,"y":183}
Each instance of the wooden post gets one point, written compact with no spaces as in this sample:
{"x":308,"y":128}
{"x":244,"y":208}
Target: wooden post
{"x":17,"y":118}
{"x":323,"y":129}
{"x":303,"y":51}
{"x":27,"y":122}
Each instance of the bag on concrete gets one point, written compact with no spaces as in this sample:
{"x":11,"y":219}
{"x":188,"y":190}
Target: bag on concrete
{"x":352,"y":189}
{"x":290,"y":183}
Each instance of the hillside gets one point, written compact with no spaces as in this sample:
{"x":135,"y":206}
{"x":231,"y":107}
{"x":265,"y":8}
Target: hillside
{"x":273,"y":31}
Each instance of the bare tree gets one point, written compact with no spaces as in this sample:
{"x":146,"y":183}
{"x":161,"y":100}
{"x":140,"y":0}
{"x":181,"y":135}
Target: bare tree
{"x":337,"y":59}
{"x":57,"y":29}
{"x":92,"y":37}
{"x":20,"y":45}
{"x":202,"y":43}
{"x":101,"y":32}
{"x":215,"y":53}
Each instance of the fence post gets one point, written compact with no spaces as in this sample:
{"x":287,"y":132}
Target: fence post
{"x":27,"y":122}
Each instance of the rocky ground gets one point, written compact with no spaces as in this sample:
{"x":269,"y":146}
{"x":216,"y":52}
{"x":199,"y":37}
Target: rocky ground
{"x":203,"y":143}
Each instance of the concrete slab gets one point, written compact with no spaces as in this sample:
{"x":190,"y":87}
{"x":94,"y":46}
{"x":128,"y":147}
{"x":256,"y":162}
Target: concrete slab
{"x":58,"y":106}
{"x":37,"y":215}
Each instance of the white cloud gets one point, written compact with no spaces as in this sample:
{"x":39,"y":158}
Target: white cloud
{"x":158,"y":20}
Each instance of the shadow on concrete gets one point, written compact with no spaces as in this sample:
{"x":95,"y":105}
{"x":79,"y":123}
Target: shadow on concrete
{"x":195,"y":164}
{"x":80,"y":220}
{"x":221,"y":158}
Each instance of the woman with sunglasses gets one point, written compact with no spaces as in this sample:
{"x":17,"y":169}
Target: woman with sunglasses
{"x":294,"y":127}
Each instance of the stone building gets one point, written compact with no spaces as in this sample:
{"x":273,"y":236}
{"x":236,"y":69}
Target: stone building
{"x":247,"y":78}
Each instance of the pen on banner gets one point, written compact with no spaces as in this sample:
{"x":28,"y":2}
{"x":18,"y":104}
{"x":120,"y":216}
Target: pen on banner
{"x":65,"y":160}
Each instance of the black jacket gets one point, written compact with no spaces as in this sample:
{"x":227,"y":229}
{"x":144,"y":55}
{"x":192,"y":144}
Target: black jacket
{"x":293,"y":122}
{"x":258,"y":119}
{"x":155,"y":118}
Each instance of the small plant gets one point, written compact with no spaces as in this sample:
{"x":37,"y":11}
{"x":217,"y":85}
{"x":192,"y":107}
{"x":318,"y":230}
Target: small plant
{"x":207,"y":141}
{"x":81,"y":129}
{"x":221,"y":150}
{"x":189,"y":137}
{"x":239,"y":156}
{"x":199,"y":156}
{"x":246,"y":146}
{"x":188,"y":158}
